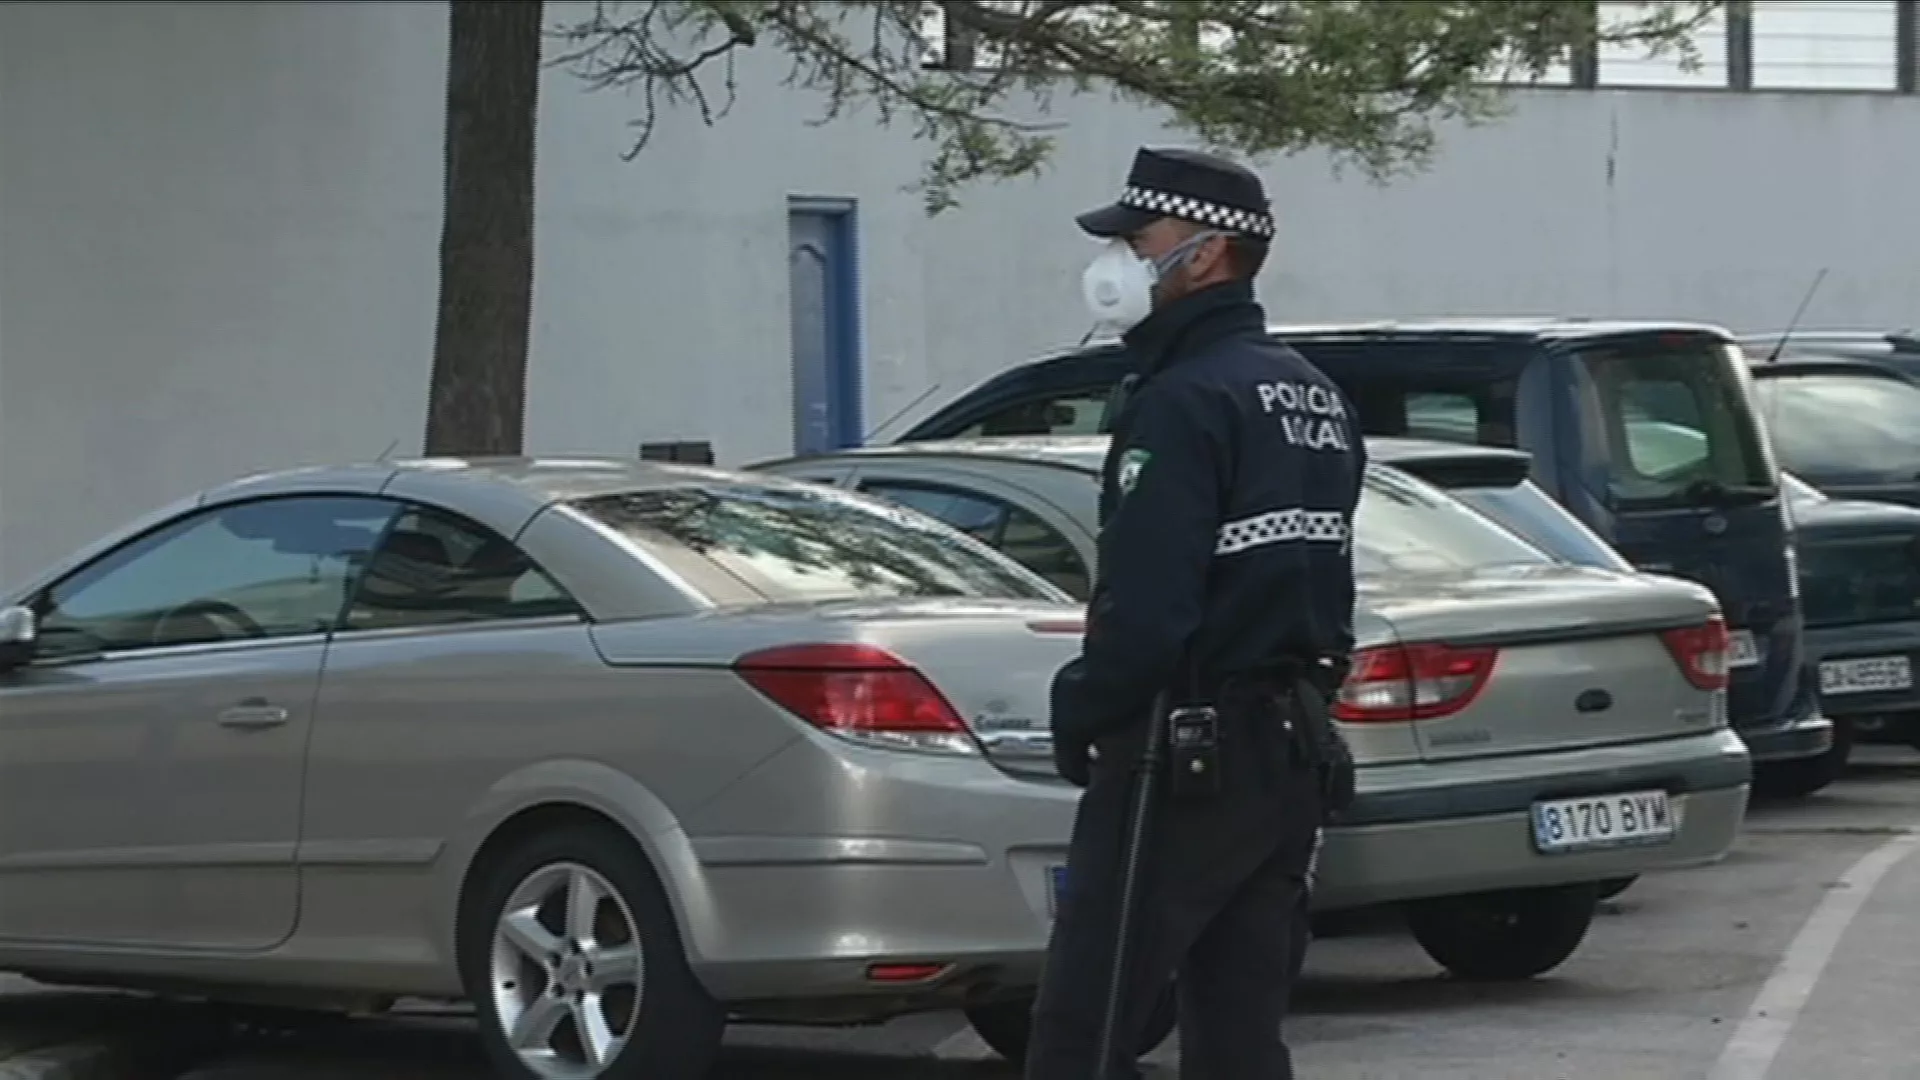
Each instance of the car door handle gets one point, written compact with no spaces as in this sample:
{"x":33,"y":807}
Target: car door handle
{"x":253,"y":717}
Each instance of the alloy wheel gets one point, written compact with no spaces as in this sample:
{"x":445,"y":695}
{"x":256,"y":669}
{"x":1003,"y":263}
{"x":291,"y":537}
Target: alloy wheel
{"x":568,"y":972}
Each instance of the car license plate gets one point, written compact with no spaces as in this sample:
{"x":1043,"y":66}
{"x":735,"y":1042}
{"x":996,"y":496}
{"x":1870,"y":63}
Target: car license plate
{"x":1602,"y":821}
{"x":1056,"y":880}
{"x":1742,"y":649}
{"x":1867,"y":675}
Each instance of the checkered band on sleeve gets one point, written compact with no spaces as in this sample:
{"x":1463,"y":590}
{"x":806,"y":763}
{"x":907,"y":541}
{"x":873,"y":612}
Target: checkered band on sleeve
{"x":1290,"y":526}
{"x":1200,"y":211}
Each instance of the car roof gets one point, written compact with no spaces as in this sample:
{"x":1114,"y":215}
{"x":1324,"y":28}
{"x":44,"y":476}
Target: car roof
{"x":539,"y":479}
{"x":502,"y":493}
{"x":1517,"y":327}
{"x":1804,"y":363}
{"x":1878,"y":342}
{"x":1086,"y":452}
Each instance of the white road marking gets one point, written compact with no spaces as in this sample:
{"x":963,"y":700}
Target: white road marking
{"x":963,"y":1045}
{"x":1749,"y":1054}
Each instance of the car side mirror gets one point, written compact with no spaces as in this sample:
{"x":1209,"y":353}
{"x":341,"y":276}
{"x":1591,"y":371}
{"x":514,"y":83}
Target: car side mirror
{"x":19,"y":631}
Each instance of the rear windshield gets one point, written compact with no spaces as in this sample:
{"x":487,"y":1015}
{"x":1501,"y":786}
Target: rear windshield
{"x":1407,"y":526}
{"x":1674,"y":423}
{"x":1530,"y":512}
{"x":1878,"y":439}
{"x":801,"y":543}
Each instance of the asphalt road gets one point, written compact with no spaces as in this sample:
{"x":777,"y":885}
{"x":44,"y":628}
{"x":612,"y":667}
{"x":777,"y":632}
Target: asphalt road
{"x":1793,"y":958}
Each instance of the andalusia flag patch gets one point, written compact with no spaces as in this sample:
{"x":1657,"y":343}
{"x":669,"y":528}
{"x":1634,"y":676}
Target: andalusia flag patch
{"x":1131,"y":464}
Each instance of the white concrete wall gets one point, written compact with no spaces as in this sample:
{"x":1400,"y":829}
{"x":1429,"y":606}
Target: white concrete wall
{"x":218,"y":227}
{"x":218,"y":230}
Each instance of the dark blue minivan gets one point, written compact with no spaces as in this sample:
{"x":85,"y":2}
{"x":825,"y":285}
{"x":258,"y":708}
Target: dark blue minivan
{"x":1645,"y":431}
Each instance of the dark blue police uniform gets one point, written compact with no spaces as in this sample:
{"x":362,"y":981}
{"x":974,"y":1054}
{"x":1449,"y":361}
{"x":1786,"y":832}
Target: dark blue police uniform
{"x":1225,"y":578}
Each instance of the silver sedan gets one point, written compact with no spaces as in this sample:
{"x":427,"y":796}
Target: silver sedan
{"x":618,"y":752}
{"x":1527,"y":727}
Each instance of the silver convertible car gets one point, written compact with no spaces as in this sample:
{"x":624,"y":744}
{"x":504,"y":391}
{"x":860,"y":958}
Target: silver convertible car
{"x":1532,"y":728}
{"x":616,"y":751}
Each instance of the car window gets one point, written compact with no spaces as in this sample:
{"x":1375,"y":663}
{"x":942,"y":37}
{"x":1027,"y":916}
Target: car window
{"x":435,"y":568}
{"x":1022,"y":535}
{"x":264,"y":569}
{"x":1879,"y":439}
{"x":1530,"y":512}
{"x":1407,"y":526}
{"x":1414,"y":403}
{"x":1449,"y":417}
{"x":1066,"y":414}
{"x":1671,"y":417}
{"x":977,"y":516}
{"x":787,"y":543}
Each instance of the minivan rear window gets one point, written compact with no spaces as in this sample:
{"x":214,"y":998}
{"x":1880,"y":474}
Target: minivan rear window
{"x":1878,"y":440}
{"x":1674,"y":426}
{"x":792,"y":543}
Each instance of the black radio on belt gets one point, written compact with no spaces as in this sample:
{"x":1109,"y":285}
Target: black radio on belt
{"x":1193,"y":751}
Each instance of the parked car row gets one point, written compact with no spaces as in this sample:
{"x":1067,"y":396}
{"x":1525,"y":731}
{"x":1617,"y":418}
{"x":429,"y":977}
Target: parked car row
{"x":623,"y":752}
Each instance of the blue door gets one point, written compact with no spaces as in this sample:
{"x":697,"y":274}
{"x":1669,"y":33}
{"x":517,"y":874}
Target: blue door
{"x":824,"y":286}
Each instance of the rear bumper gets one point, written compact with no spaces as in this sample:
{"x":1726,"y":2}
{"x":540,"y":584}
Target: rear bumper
{"x":1421,"y":831}
{"x":830,"y":858}
{"x":1799,"y":736}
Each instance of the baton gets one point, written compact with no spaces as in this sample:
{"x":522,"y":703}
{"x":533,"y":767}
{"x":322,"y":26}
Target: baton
{"x":1131,"y":858}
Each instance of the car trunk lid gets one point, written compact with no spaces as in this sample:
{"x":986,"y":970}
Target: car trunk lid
{"x":1524,"y":659}
{"x":991,"y":661}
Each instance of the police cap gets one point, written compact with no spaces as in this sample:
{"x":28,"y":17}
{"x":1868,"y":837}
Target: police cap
{"x":1188,"y":185}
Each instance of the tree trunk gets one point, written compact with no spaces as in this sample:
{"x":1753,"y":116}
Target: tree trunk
{"x":476,"y":400}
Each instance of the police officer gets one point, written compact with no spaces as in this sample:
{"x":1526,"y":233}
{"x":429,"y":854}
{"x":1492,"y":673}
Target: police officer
{"x":1225,"y":596}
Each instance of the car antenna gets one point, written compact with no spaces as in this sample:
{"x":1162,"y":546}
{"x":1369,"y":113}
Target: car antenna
{"x":1794,"y":323}
{"x":391,"y":447}
{"x":904,"y":409}
{"x":1773,"y":407}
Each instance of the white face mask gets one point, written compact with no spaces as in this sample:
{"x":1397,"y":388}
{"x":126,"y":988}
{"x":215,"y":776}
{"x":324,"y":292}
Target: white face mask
{"x":1118,"y":284}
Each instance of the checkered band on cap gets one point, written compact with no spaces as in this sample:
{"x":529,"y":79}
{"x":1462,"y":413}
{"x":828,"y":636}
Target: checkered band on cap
{"x":1200,"y":211}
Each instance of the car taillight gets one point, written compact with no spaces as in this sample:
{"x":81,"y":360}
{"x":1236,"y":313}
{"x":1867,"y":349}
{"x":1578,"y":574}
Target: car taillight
{"x":1703,"y":652}
{"x":1422,"y":681}
{"x":861,"y":693}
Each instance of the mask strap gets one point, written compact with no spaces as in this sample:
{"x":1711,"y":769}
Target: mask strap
{"x":1183,"y":251}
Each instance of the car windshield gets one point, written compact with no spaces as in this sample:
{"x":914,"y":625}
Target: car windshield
{"x":1407,"y":526}
{"x":1877,"y":441}
{"x":1675,"y":427}
{"x":805,"y":543}
{"x":1531,"y":513}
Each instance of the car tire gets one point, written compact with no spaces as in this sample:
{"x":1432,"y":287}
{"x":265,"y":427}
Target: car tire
{"x":672,"y":1027}
{"x":1615,"y":886}
{"x":1007,"y":1026}
{"x":1801,"y":777}
{"x":1504,"y":936}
